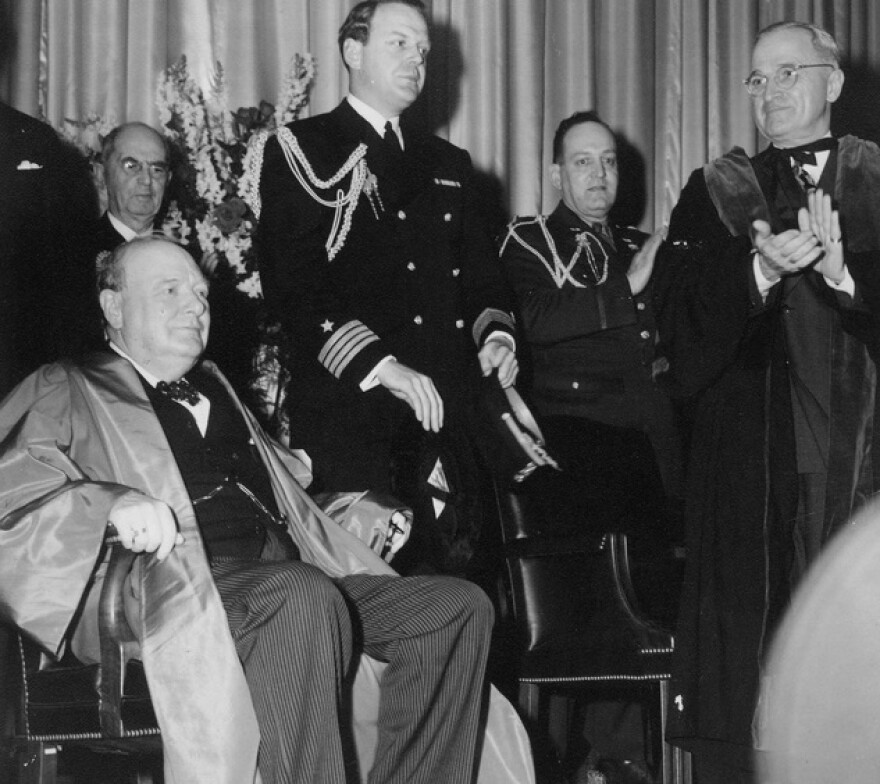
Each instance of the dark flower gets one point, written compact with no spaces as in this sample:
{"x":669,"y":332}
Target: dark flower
{"x":252,"y":118}
{"x":229,"y":215}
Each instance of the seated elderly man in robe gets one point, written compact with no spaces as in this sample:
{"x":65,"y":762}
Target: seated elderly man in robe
{"x":253,"y":605}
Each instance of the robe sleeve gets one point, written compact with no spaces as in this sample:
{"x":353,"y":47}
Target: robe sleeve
{"x":705,"y":297}
{"x":52,"y":515}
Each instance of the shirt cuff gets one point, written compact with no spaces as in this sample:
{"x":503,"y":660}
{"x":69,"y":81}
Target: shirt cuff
{"x":371,"y":380}
{"x":501,"y":335}
{"x":847,"y":285}
{"x":762,"y":283}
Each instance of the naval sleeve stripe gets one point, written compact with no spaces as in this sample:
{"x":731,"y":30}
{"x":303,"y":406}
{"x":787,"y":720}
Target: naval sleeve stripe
{"x":344,"y":345}
{"x":490,"y":316}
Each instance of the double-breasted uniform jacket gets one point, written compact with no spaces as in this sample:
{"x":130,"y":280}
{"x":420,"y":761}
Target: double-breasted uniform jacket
{"x":73,"y":439}
{"x":741,"y":362}
{"x":403,"y":266}
{"x":592,"y":345}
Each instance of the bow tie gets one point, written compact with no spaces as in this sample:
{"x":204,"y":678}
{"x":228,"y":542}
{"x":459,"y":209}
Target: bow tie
{"x":806,"y":153}
{"x":179,"y":390}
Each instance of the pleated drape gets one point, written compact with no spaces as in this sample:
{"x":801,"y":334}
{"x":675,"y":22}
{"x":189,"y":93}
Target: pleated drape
{"x":667,"y":74}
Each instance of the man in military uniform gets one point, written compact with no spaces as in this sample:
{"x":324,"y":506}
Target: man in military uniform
{"x":375,"y":259}
{"x":582,"y":288}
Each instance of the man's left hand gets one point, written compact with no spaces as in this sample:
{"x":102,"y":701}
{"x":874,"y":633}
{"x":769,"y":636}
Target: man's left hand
{"x":497,"y":353}
{"x":824,"y":223}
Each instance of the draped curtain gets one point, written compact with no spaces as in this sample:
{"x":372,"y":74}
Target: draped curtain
{"x":666,"y":74}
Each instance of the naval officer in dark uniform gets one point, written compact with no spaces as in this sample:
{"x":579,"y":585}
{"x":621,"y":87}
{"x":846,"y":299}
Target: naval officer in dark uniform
{"x":375,"y":258}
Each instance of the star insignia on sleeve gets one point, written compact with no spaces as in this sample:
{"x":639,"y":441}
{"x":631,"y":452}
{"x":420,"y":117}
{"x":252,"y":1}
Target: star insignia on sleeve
{"x":327,"y":326}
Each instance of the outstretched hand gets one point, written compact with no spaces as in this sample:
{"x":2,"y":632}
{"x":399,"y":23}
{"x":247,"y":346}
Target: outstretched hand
{"x":416,"y":390}
{"x":642,"y":265}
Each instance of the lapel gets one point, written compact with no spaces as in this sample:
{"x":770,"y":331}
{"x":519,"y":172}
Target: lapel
{"x":321,"y":541}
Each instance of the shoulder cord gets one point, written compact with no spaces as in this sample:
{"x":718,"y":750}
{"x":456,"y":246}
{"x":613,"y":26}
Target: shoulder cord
{"x":560,"y":272}
{"x":306,"y":177}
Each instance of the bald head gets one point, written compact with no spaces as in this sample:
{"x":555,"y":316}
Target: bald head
{"x":155,"y":303}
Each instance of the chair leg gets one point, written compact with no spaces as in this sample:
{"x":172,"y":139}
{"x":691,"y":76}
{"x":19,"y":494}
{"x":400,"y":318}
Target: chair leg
{"x":676,"y":761}
{"x":529,"y":700}
{"x":36,"y":763}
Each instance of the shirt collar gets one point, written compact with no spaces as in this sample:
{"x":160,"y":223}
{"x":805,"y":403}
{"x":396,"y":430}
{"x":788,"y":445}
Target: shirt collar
{"x":126,"y":231}
{"x":148,"y":377}
{"x":373,"y":117}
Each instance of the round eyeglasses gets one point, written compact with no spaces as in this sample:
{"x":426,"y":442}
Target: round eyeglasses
{"x":785,"y":77}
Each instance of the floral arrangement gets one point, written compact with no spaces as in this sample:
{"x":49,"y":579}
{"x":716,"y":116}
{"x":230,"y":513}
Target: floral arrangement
{"x":208,"y":210}
{"x":213,"y":178}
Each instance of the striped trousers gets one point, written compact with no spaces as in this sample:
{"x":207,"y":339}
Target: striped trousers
{"x":295,"y":630}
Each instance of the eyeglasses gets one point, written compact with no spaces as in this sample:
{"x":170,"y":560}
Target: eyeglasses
{"x":158,"y":170}
{"x":785,"y":77}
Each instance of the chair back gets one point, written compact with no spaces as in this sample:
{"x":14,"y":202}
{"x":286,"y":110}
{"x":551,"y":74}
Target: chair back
{"x":572,"y":599}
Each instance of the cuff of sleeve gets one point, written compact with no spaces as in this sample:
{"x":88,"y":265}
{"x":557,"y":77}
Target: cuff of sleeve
{"x":506,"y":337}
{"x":761,"y":282}
{"x":344,"y":345}
{"x":371,"y":379}
{"x":492,"y":320}
{"x":846,"y":286}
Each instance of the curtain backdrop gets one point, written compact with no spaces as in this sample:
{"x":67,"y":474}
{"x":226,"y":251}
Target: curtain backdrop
{"x":667,"y":74}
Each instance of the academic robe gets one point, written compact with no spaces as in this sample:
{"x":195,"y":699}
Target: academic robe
{"x":73,"y":439}
{"x":727,"y":349}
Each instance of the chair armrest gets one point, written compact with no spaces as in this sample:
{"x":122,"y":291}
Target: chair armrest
{"x":114,"y":632}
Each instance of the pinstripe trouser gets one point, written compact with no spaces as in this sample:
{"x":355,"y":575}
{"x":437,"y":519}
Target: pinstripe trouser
{"x":294,"y":638}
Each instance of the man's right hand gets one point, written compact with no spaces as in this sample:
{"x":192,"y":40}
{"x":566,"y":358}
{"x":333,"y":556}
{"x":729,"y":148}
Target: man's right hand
{"x":642,"y":265}
{"x":785,"y":253}
{"x":416,"y":390}
{"x":145,"y":524}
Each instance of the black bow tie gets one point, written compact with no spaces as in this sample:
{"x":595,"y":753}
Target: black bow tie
{"x":806,"y":153}
{"x":179,"y":390}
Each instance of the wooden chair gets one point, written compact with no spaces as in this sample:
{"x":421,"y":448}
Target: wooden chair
{"x":70,"y":707}
{"x":577,"y":620}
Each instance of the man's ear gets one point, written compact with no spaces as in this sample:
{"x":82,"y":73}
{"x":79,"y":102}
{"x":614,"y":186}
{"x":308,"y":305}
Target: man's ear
{"x":556,"y":176}
{"x":352,"y":53}
{"x":111,"y":307}
{"x":835,"y":85}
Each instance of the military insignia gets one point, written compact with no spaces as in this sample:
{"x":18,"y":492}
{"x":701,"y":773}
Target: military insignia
{"x":370,"y":189}
{"x":327,"y":326}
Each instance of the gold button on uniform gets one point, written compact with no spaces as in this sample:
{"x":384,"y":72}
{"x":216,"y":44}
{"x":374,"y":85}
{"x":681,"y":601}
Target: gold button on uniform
{"x":645,"y":334}
{"x":401,"y":214}
{"x":411,"y":266}
{"x":418,"y":320}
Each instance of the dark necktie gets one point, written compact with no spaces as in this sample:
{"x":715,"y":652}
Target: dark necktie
{"x":390,"y":142}
{"x":805,"y":155}
{"x":179,"y":390}
{"x":603,"y":230}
